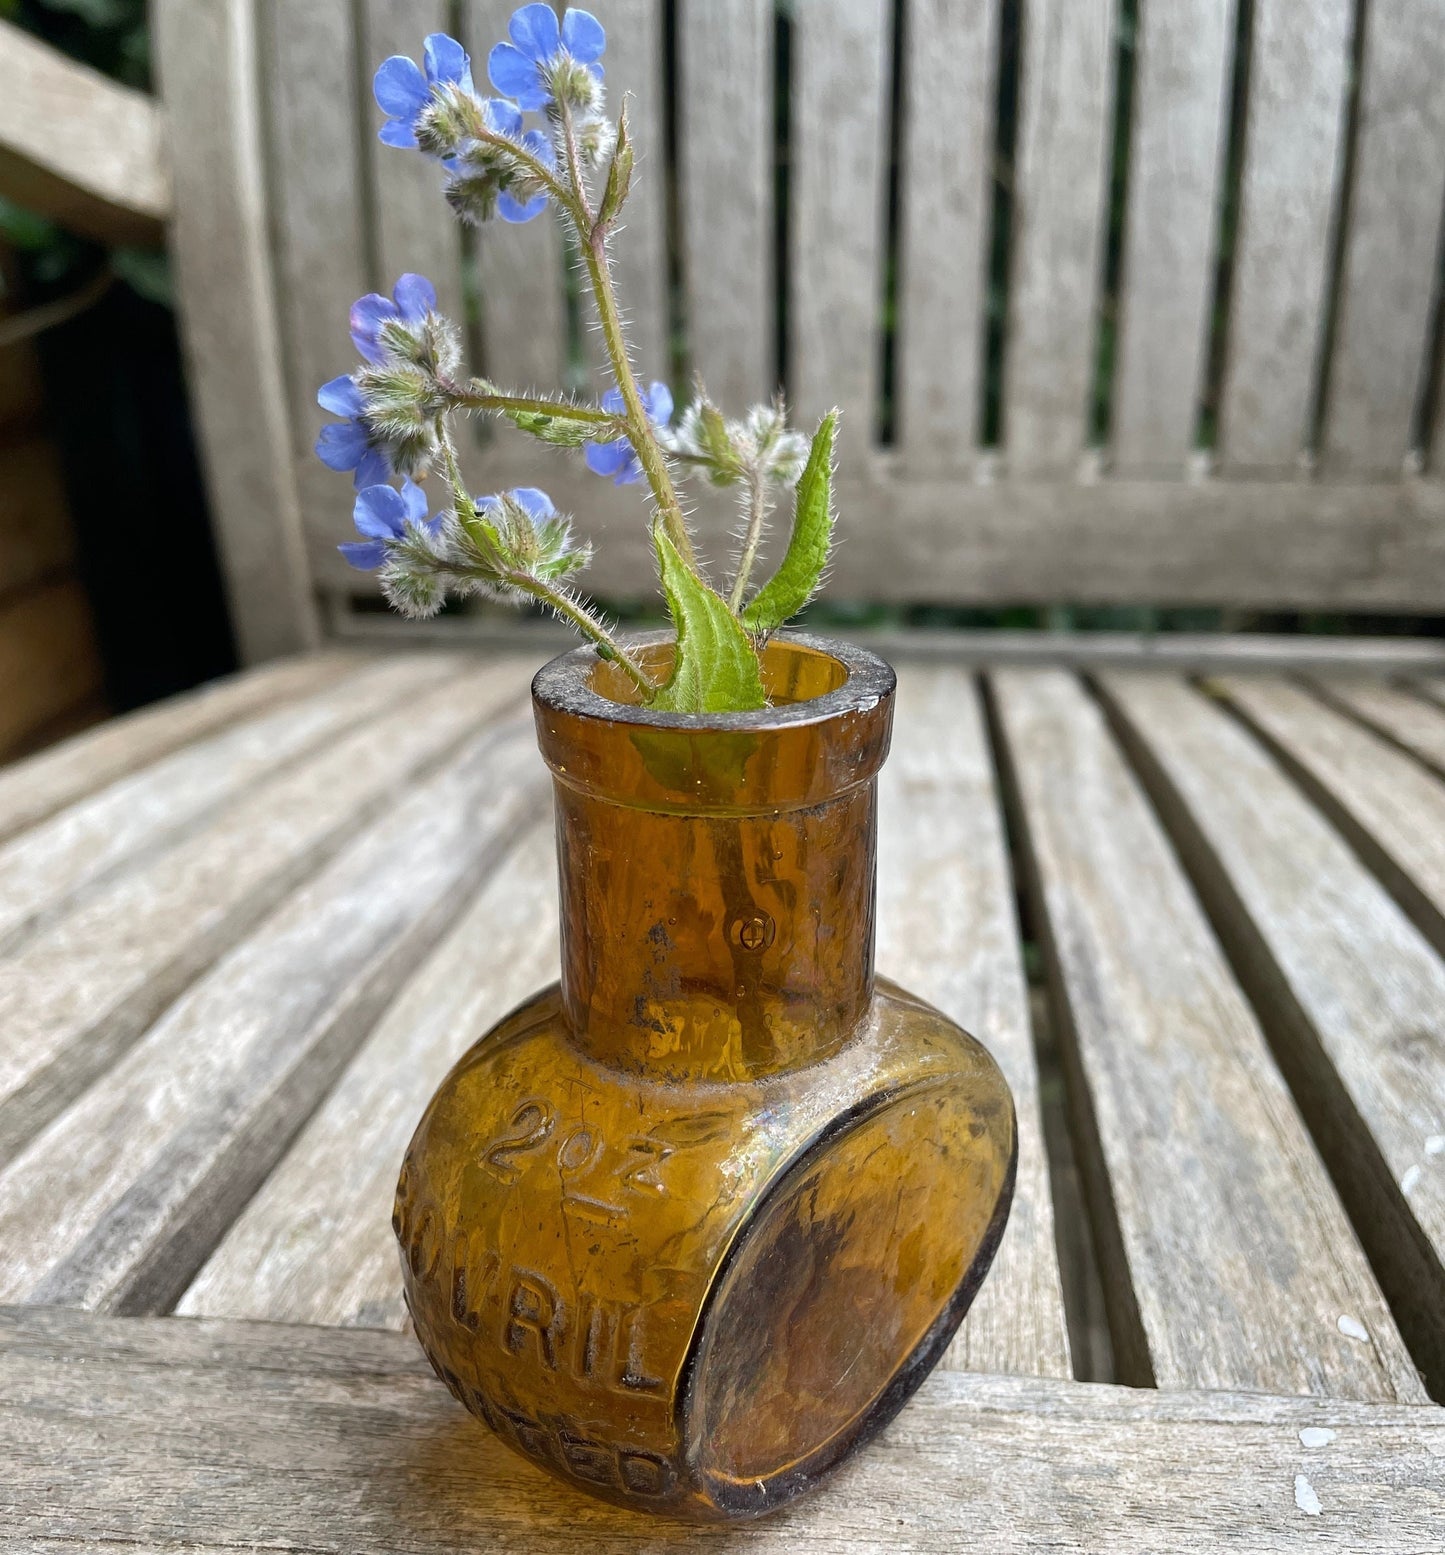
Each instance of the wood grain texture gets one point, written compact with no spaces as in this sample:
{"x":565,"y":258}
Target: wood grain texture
{"x":947,"y":932}
{"x":413,"y":226}
{"x":1388,"y":277}
{"x":634,"y":64}
{"x":49,"y":661}
{"x":1226,"y":1255}
{"x":1353,"y":996}
{"x":1389,"y":806}
{"x":126,"y":1432}
{"x":1409,"y":720}
{"x":1178,"y":123}
{"x":519,"y":268}
{"x":315,"y":1245}
{"x":1288,"y":192}
{"x":317,"y":187}
{"x":36,"y":535}
{"x":79,"y":992}
{"x":950,"y":87}
{"x":139,"y":1179}
{"x":32,"y":789}
{"x":725,"y":57}
{"x":84,"y":844}
{"x":837,"y":189}
{"x":78,"y":147}
{"x":206,"y":58}
{"x":1066,"y":83}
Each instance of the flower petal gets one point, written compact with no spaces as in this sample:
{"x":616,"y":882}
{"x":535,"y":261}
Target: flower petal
{"x":446,"y":59}
{"x":342,"y":445}
{"x":373,"y":470}
{"x":534,"y":30}
{"x":368,"y":314}
{"x":380,"y":512}
{"x":613,"y":402}
{"x":413,"y":499}
{"x":364,"y":555}
{"x":340,"y":396}
{"x":400,"y":88}
{"x":502,"y":116}
{"x":536,"y":502}
{"x":397,"y":132}
{"x":514,"y":75}
{"x":509,"y":208}
{"x":415,"y":297}
{"x":608,"y":458}
{"x":540,"y":147}
{"x":659,"y":403}
{"x":583,"y":35}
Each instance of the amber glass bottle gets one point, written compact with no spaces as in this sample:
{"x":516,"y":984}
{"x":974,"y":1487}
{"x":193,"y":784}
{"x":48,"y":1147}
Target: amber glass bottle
{"x":689,"y":1226}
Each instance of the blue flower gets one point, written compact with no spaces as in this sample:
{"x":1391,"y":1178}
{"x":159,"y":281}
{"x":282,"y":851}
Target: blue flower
{"x":347,"y":444}
{"x":412,"y":298}
{"x":618,"y":459}
{"x":403,"y":93}
{"x":382,"y":513}
{"x":518,"y":68}
{"x":536,"y":503}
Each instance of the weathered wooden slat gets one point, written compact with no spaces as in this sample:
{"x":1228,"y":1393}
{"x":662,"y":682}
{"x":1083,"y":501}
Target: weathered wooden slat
{"x":1226,"y":1255}
{"x":1388,"y":805}
{"x":634,"y":64}
{"x":107,"y":174}
{"x":163,"y":1432}
{"x":839,"y":142}
{"x":414,"y":227}
{"x":946,"y":931}
{"x":1382,"y":334}
{"x":524,"y":324}
{"x":1352,"y":995}
{"x":726,"y":93}
{"x":79,"y":847}
{"x":1177,"y":129}
{"x":33,"y":789}
{"x":315,"y":1245}
{"x":317,"y":191}
{"x":1406,"y":718}
{"x":950,"y":81}
{"x":137,"y":1181}
{"x":1251,"y":544}
{"x":1060,"y":189}
{"x":80,"y":991}
{"x":206,"y":56}
{"x":1293,"y":141}
{"x":36,"y":535}
{"x":49,"y":661}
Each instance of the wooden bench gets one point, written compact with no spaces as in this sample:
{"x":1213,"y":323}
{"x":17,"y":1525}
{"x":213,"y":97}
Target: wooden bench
{"x":1191,"y":893}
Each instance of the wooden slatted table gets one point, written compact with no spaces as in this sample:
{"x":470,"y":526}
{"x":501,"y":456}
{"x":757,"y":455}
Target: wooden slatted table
{"x":242,"y":935}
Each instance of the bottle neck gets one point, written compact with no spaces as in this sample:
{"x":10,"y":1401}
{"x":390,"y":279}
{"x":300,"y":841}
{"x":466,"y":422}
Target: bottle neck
{"x":715,"y":947}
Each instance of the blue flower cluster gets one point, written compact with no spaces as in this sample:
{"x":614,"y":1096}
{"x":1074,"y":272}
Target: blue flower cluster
{"x":383,"y":514}
{"x":522,"y":68}
{"x":618,"y":458}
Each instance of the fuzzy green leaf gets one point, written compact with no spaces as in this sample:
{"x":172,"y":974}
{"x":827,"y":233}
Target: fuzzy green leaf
{"x":716,"y":670}
{"x":796,"y":580}
{"x":560,"y":429}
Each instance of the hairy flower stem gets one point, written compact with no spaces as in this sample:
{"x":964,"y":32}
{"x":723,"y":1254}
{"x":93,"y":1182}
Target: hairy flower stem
{"x":757,"y":517}
{"x":470,"y":396}
{"x":558,"y":600}
{"x":593,"y":244}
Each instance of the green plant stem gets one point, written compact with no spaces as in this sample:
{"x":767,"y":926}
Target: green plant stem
{"x":757,"y":517}
{"x":639,"y":425}
{"x":470,"y":396}
{"x":586,"y":621}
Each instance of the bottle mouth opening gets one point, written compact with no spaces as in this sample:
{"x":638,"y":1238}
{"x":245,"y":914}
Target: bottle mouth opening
{"x":807,"y":679}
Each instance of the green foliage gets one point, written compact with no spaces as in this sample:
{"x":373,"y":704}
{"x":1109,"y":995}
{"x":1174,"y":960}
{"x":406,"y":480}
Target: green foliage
{"x":619,"y":175}
{"x":716,"y":669}
{"x":558,"y":428}
{"x":796,"y":580}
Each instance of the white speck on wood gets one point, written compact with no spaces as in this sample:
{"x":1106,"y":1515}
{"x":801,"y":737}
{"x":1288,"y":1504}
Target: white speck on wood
{"x":1304,"y":1496}
{"x":1353,"y":1328}
{"x":1435,"y":1145}
{"x":1410,"y":1180}
{"x":1316,"y":1436}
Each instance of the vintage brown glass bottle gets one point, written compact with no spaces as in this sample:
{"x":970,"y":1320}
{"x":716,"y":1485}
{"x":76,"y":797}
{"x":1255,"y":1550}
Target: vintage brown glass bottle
{"x":689,"y":1226}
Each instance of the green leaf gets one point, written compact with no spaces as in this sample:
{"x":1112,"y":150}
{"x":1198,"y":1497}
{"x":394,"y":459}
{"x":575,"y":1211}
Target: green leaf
{"x":619,"y":175}
{"x":795,"y":581}
{"x":716,"y":670}
{"x":560,"y":429}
